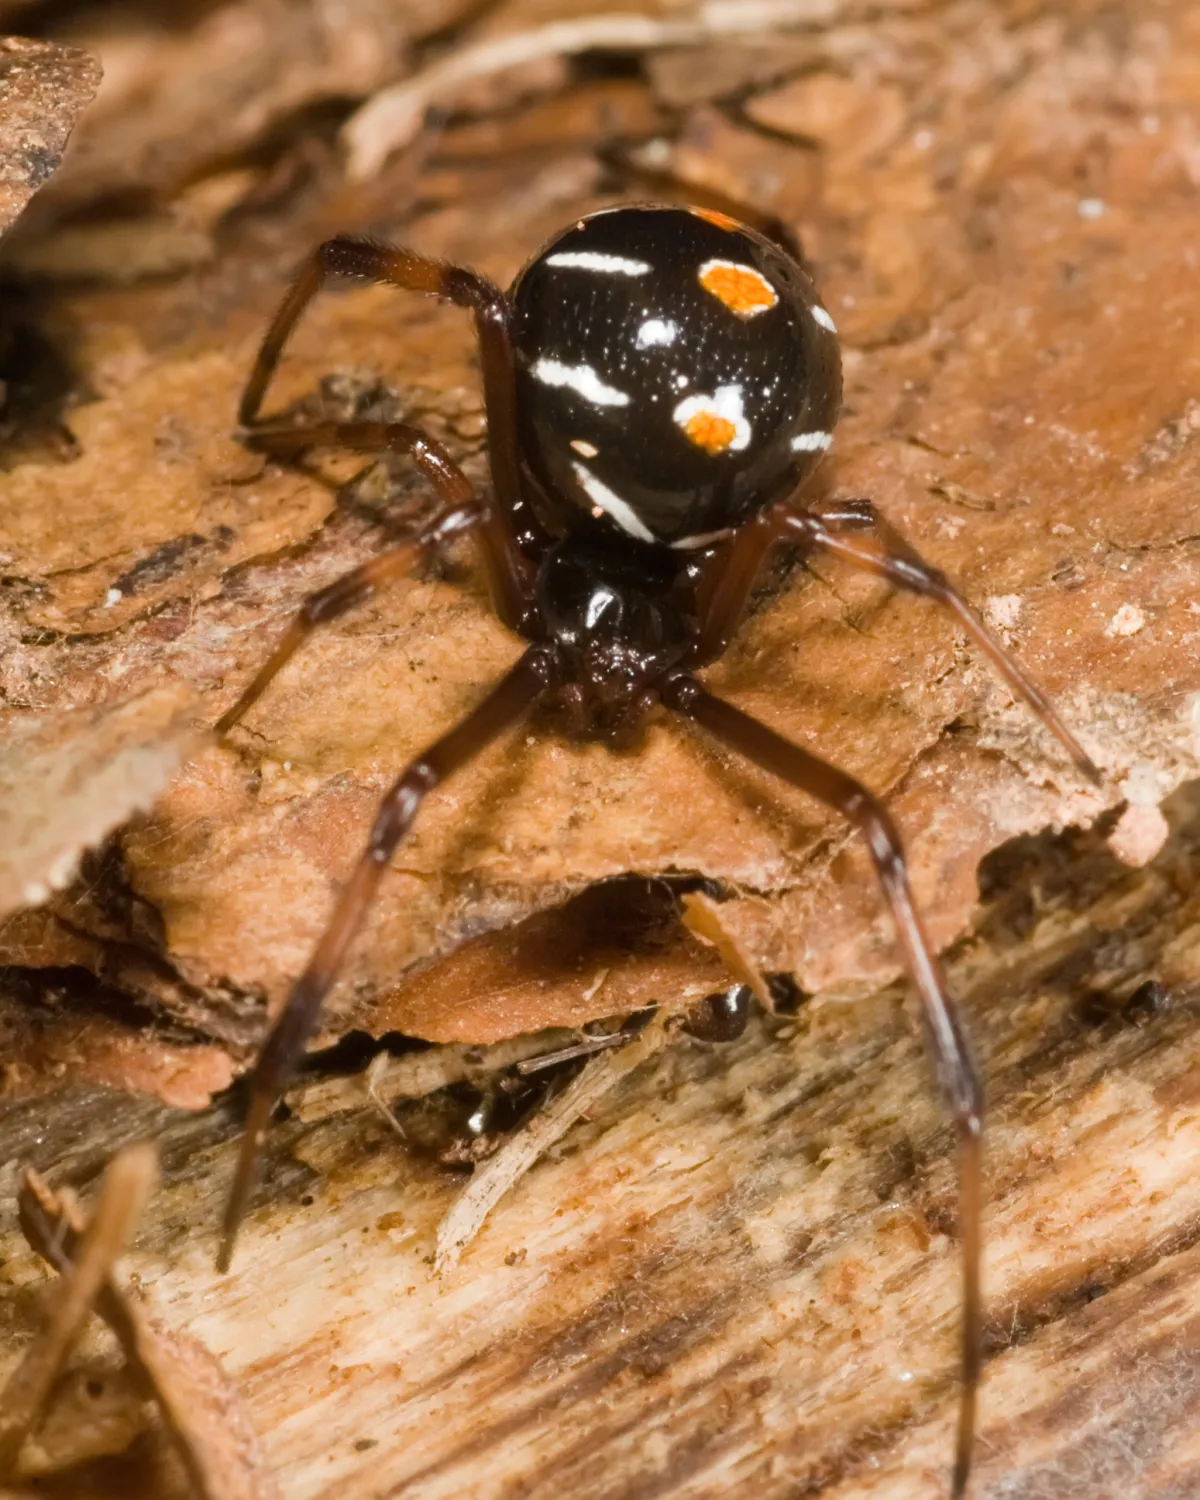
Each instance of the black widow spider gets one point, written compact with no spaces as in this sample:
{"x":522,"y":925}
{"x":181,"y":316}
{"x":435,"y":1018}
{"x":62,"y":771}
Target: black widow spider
{"x":659,"y":382}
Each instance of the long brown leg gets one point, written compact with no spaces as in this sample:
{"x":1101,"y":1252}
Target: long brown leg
{"x":947,"y":1046}
{"x":857,"y":533}
{"x":371,"y":261}
{"x":509,"y":572}
{"x":507,"y":702}
{"x":343,"y":594}
{"x":725,"y":587}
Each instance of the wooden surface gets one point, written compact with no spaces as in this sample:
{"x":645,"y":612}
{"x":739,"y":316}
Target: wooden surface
{"x":740,"y":1275}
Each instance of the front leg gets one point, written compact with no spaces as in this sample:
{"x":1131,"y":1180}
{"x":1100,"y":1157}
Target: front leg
{"x":395,"y":265}
{"x":503,"y":707}
{"x":854,"y":531}
{"x":509,"y":572}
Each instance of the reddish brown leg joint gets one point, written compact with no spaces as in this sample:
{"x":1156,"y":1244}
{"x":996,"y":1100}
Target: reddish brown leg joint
{"x":508,"y":571}
{"x":510,"y":575}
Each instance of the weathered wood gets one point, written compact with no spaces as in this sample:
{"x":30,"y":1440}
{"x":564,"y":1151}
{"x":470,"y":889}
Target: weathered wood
{"x":741,"y":1275}
{"x":1021,"y":356}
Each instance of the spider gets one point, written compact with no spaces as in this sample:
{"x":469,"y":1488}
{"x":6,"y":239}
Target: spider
{"x":660,"y":383}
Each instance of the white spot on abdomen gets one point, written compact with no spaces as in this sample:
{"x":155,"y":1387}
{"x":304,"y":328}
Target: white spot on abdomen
{"x":581,"y":379}
{"x":821,"y":317}
{"x":811,"y":442}
{"x":655,"y":331}
{"x":612,"y":505}
{"x":596,"y":260}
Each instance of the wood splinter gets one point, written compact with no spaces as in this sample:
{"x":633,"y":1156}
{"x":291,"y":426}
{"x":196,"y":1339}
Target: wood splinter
{"x":501,"y":1172}
{"x":203,"y":1413}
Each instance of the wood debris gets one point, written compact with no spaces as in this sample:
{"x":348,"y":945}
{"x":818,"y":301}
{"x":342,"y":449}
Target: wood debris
{"x":739,"y":1268}
{"x":418,"y":1074}
{"x":43,"y":89}
{"x":67,"y":780}
{"x":500,"y":1173}
{"x":201,"y":1409}
{"x":166,"y":553}
{"x":127,"y":1185}
{"x":394,"y":117}
{"x":743,"y":1261}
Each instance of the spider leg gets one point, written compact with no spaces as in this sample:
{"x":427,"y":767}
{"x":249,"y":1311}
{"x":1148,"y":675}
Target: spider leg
{"x":944,"y":1037}
{"x":503,"y":707}
{"x":370,"y":260}
{"x":509,"y":573}
{"x":855,"y":532}
{"x":343,"y":594}
{"x":725,"y":585}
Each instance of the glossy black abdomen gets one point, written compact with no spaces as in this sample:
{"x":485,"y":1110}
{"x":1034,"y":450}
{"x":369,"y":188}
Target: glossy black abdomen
{"x":676,"y":372}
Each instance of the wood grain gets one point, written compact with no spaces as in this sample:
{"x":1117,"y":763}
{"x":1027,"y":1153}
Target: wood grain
{"x":741,"y":1275}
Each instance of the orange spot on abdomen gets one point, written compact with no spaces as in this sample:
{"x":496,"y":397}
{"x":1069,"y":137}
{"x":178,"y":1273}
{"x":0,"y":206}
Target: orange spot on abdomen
{"x":722,"y":221}
{"x":709,"y":431}
{"x":742,"y":289}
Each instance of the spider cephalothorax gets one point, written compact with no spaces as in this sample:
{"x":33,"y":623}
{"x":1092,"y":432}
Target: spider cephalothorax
{"x":659,"y":383}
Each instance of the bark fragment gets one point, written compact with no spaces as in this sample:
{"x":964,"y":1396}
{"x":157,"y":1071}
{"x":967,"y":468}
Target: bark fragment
{"x":67,"y":780}
{"x":204,"y":1415}
{"x":43,"y":90}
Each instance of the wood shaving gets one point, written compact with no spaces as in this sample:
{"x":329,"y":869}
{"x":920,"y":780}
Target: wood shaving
{"x":500,"y":1173}
{"x":418,"y":1074}
{"x":68,"y":779}
{"x":702,"y":916}
{"x":124,"y":1191}
{"x":394,"y":117}
{"x":204,"y":1414}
